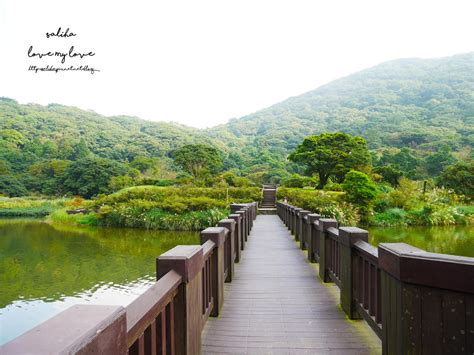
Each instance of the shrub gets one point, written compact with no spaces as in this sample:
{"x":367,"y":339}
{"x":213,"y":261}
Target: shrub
{"x":391,"y":217}
{"x":359,"y":188}
{"x":328,"y":204}
{"x":406,"y":196}
{"x":298,"y":181}
{"x":332,"y":186}
{"x":10,"y":186}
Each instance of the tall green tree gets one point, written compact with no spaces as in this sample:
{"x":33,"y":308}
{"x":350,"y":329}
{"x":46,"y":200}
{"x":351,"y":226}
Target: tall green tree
{"x":435,"y":163}
{"x":460,"y":178}
{"x":198,"y":159}
{"x":331,"y":155}
{"x":10,"y":186}
{"x":361,"y":191}
{"x":90,"y":176}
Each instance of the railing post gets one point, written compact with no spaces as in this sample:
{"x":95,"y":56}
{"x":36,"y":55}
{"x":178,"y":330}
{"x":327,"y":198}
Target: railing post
{"x":186,"y":260}
{"x":302,"y":228}
{"x":248,"y":221}
{"x":427,"y":301}
{"x":287,"y":215}
{"x":254,"y":209}
{"x":230,"y":247}
{"x":216,"y":235}
{"x":312,"y":217}
{"x":292,"y":220}
{"x":237,"y":235}
{"x":295,"y":222}
{"x":80,"y":329}
{"x":324,"y":248}
{"x":243,"y":235}
{"x":347,"y":237}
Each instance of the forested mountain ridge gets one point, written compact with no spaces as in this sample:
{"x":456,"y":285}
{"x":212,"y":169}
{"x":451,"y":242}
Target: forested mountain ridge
{"x":416,"y":114}
{"x":418,"y":103}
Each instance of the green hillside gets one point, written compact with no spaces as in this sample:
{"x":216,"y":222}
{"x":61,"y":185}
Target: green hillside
{"x":417,"y":114}
{"x":417,"y":103}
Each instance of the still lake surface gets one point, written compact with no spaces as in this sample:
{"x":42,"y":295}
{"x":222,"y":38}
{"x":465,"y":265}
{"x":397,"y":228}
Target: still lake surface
{"x":45,"y":269}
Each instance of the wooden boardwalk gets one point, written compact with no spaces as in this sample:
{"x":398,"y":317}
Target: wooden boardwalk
{"x":276,"y":304}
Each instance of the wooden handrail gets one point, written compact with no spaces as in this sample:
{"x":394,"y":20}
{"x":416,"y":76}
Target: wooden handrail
{"x":146,"y":313}
{"x":207,"y":248}
{"x":415,"y":301}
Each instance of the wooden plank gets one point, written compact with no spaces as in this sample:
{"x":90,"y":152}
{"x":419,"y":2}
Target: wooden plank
{"x":276,"y":304}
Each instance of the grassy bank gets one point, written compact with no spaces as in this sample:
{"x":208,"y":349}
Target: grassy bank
{"x":153,"y":219}
{"x":29,"y":207}
{"x":159,"y":208}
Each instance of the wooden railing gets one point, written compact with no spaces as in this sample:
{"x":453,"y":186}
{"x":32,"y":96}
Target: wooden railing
{"x":415,"y":301}
{"x":168,"y":317}
{"x":150,"y":318}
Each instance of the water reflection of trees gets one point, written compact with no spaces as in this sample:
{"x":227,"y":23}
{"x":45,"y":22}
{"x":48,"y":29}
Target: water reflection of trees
{"x":42,"y":261}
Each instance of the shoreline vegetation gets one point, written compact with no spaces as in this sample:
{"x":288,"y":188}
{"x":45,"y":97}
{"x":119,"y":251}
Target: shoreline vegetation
{"x":193,"y":208}
{"x":145,"y":207}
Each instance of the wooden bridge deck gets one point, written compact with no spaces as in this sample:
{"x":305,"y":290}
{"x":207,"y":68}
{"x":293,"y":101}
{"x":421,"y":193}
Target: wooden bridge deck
{"x":276,"y":304}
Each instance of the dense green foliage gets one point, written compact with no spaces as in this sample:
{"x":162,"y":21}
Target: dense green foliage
{"x":91,"y":176}
{"x":415,"y":114}
{"x":331,"y":155}
{"x":460,"y":178}
{"x":153,"y":207}
{"x":405,"y":205}
{"x":360,"y":190}
{"x":198,"y":160}
{"x":327,"y":203}
{"x":297,"y":180}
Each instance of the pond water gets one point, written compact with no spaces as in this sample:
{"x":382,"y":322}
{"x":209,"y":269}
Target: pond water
{"x":45,"y":269}
{"x":455,"y":240}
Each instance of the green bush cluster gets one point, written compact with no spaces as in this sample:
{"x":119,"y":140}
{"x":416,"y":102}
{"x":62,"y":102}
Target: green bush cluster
{"x":329,"y":204}
{"x":185,"y":195}
{"x":409,"y":205}
{"x":124,"y":216}
{"x":300,"y":181}
{"x":154,"y":207}
{"x":62,"y":217}
{"x":402,"y":206}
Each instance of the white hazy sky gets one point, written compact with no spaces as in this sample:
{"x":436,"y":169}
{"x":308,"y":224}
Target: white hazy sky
{"x":203,"y":62}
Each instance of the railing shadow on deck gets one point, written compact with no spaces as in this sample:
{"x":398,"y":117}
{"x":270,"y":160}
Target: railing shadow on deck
{"x":167,"y":318}
{"x":415,"y":301}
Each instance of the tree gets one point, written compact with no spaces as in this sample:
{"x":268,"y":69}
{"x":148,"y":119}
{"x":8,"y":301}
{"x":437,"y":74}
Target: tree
{"x":435,"y":163}
{"x":46,"y":176}
{"x":80,"y":150}
{"x":360,"y":190}
{"x":198,"y":159}
{"x":404,"y":160}
{"x":90,"y":176}
{"x":460,"y":178}
{"x":331,"y":155}
{"x":389,"y":173}
{"x":143,"y":163}
{"x":11,"y":187}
